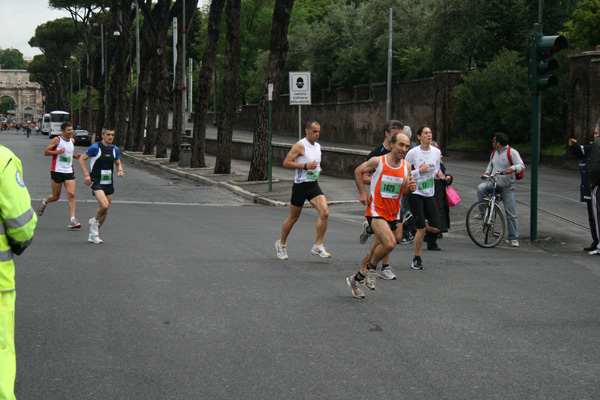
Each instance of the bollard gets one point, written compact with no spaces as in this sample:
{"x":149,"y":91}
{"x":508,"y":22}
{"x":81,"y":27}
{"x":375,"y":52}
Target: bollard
{"x":185,"y":157}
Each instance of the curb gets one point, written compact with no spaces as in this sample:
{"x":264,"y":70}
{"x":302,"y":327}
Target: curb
{"x":158,"y":163}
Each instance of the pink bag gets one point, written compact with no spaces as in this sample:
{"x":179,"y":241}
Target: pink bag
{"x":452,"y":196}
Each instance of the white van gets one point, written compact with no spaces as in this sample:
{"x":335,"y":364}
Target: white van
{"x":56,"y":120}
{"x":45,"y":124}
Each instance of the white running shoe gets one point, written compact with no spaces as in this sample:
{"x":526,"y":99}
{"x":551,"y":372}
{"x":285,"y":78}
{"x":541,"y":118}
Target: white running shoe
{"x":370,"y":278}
{"x":514,"y":243}
{"x":387,"y":273}
{"x":281,"y":250}
{"x":355,"y":286}
{"x":93,"y":226}
{"x":595,"y":252}
{"x":364,"y":234}
{"x":320,"y":251}
{"x":94,"y":239}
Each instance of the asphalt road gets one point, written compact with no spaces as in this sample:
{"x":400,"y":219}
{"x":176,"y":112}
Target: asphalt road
{"x":187,"y":300}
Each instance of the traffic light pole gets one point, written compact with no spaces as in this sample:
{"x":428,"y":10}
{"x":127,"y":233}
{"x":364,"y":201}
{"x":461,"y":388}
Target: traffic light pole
{"x":536,"y":102}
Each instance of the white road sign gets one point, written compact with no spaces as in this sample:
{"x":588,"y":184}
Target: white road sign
{"x":300,"y":88}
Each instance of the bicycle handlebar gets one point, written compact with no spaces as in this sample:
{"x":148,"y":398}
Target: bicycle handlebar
{"x":484,"y":177}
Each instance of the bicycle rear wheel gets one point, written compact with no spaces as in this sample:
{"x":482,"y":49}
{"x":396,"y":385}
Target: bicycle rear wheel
{"x":485,"y":232}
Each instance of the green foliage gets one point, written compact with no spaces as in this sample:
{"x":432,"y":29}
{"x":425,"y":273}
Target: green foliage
{"x":6,"y":103}
{"x":494,"y":99}
{"x":583,"y":30}
{"x":12,"y":59}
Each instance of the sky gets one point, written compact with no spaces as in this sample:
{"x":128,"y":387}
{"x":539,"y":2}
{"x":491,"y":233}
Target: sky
{"x":19,"y":20}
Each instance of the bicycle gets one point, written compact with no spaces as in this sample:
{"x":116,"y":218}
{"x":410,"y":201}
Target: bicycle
{"x":487,"y":229}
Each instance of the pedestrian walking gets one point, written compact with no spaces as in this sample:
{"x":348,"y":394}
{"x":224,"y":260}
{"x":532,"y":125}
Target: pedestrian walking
{"x":18,"y":221}
{"x":104,"y":156}
{"x":305,"y":159}
{"x":594,"y":183}
{"x":61,"y":171}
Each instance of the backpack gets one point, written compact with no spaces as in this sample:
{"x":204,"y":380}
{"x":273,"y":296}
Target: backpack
{"x":518,"y":175}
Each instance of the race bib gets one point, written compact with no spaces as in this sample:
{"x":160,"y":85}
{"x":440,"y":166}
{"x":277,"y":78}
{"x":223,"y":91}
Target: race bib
{"x":64,"y":159}
{"x":426,"y":184}
{"x":105,"y":176}
{"x":390,"y":186}
{"x":314,"y":175}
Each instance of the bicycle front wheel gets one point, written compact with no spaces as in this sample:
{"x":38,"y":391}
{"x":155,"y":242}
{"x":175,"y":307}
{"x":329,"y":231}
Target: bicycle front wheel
{"x":485,"y":230}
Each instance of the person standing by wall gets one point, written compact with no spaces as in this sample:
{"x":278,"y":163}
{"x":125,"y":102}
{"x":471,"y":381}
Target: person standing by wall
{"x":18,"y":224}
{"x":582,"y":152}
{"x":594,"y":183}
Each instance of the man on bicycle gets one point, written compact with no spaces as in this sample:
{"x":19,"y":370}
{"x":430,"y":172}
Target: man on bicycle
{"x":499,"y":161}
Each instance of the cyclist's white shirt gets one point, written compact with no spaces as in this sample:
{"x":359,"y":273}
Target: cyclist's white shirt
{"x":312,"y":152}
{"x":425,"y":180}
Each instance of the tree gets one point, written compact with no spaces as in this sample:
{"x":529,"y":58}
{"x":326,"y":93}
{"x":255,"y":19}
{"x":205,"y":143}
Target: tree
{"x":56,"y":40}
{"x":493,"y":99}
{"x":277,"y":56}
{"x":84,"y":13}
{"x":232,"y":68}
{"x":582,"y":30}
{"x":12,"y":59}
{"x":204,"y":84}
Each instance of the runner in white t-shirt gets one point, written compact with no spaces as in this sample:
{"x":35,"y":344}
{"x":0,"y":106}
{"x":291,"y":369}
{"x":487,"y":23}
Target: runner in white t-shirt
{"x":425,"y":160}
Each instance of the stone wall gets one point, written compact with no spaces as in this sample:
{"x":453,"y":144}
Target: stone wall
{"x":584,"y":95}
{"x":358,"y":115}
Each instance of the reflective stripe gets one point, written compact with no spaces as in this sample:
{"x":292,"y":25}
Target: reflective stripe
{"x":6,"y":255}
{"x":2,"y":229}
{"x":21,"y":220}
{"x":7,"y":290}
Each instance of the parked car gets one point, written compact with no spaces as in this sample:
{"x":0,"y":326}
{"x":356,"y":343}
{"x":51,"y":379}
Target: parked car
{"x":82,"y":137}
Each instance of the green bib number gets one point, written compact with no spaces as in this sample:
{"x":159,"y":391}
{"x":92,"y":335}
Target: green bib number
{"x":64,"y":159}
{"x":314,"y":175}
{"x":423,"y":185}
{"x":105,"y":177}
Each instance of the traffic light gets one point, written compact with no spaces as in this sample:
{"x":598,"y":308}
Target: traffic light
{"x":541,"y":61}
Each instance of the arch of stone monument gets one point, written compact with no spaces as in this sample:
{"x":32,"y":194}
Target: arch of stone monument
{"x":27,"y":95}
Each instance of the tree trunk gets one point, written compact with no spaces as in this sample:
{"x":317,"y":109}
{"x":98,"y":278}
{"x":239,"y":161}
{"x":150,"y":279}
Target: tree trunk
{"x":232,"y":69}
{"x":278,"y":52}
{"x":151,"y":123}
{"x":177,"y":109}
{"x":164,"y":99}
{"x":204,"y":83}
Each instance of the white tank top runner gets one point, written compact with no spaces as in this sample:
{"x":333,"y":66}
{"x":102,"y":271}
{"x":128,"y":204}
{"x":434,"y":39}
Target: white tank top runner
{"x":64,"y":162}
{"x":312,"y":152}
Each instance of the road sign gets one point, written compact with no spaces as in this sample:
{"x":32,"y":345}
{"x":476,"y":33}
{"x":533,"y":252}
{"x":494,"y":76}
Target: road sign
{"x":300,"y":88}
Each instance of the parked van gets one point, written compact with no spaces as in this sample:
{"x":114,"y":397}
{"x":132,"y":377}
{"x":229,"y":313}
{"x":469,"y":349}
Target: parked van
{"x":45,"y":124}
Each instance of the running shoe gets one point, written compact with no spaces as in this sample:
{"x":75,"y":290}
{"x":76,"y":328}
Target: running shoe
{"x":479,"y":216}
{"x":594,"y":252}
{"x":387,"y":273}
{"x":320,"y":250}
{"x":364,"y":234}
{"x":514,"y":243}
{"x":94,"y":239}
{"x":355,"y":286}
{"x":93,"y":226}
{"x":41,"y":208}
{"x":416,"y":263}
{"x":74,"y":224}
{"x":370,"y":278}
{"x":281,"y":250}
